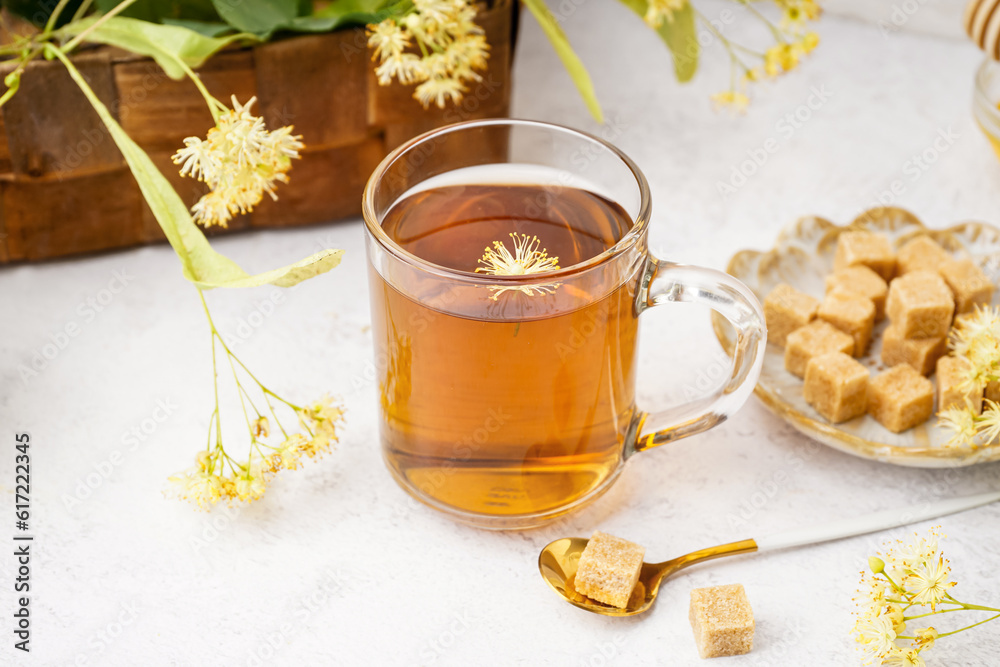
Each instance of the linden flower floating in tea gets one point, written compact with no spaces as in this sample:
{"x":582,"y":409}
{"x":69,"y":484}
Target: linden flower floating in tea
{"x":526,"y":259}
{"x":219,"y":476}
{"x":976,"y":338}
{"x":239,"y":160}
{"x":451,"y":48}
{"x":902,"y":584}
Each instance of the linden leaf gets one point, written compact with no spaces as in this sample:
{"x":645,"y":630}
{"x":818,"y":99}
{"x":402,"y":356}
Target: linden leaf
{"x":200,"y":263}
{"x":206,"y":28}
{"x":155,"y":11}
{"x":261,"y":17}
{"x":287,"y":276}
{"x":566,"y":54}
{"x":342,"y":13}
{"x":169,"y":45}
{"x":679,"y":35}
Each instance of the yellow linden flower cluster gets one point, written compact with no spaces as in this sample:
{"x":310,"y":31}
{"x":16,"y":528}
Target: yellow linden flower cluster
{"x":795,"y":13}
{"x":216,"y":476}
{"x":976,"y":338}
{"x":793,"y":43}
{"x":900,"y":584}
{"x":239,"y":160}
{"x":451,"y":48}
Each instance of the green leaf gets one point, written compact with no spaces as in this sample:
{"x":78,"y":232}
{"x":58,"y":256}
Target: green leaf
{"x":679,"y":35}
{"x":345,"y":7}
{"x":171,"y":46}
{"x":200,"y":263}
{"x":261,"y":17}
{"x":339,"y":14}
{"x":682,"y":39}
{"x":291,"y":275}
{"x":206,"y":28}
{"x":156,"y":11}
{"x":566,"y":54}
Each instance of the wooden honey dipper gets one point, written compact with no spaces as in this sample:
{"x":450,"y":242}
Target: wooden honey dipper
{"x":982,"y":24}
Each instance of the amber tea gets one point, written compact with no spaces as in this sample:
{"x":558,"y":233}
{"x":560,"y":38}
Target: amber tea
{"x":488,"y":412}
{"x":509,"y":269}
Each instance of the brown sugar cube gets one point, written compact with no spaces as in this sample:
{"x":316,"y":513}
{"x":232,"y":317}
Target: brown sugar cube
{"x":921,"y":353}
{"x":816,"y":338}
{"x":920,"y":304}
{"x":861,"y":280}
{"x":900,"y":398}
{"x":868,"y":249}
{"x":993,"y":391}
{"x":836,"y":386}
{"x":722,"y":621}
{"x":609,"y":569}
{"x":951,"y":374}
{"x":786,"y":309}
{"x":851,"y":313}
{"x":920,"y":254}
{"x":968,"y":283}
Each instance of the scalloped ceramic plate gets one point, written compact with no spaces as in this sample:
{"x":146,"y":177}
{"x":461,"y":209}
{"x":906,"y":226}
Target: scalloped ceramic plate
{"x":802,"y":257}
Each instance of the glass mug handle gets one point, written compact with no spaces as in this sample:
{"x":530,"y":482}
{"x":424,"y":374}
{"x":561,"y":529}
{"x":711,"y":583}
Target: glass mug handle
{"x":667,"y":282}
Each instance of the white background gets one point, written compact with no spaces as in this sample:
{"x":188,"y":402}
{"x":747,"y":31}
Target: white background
{"x":336,"y":565}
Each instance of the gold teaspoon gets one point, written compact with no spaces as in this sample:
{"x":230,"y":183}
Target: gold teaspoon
{"x":558,"y":560}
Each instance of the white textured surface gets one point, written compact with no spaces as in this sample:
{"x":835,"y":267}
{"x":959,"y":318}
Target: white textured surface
{"x":934,"y":17}
{"x":336,"y":566}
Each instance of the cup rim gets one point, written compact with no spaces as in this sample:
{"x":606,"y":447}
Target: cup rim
{"x":640,"y":221}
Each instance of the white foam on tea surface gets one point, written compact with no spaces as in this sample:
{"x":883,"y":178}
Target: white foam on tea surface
{"x":513,"y":173}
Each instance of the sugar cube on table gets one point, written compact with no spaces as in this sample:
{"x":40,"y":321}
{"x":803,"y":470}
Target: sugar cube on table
{"x":993,"y":391}
{"x":861,"y":280}
{"x":921,"y":353}
{"x":951,"y":374}
{"x":867,"y":249}
{"x":851,"y":313}
{"x":836,"y":386}
{"x":722,"y":621}
{"x":920,"y":304}
{"x":920,"y":254}
{"x":900,"y":398}
{"x":609,"y":569}
{"x":968,"y":283}
{"x":816,"y":338}
{"x":785,"y":310}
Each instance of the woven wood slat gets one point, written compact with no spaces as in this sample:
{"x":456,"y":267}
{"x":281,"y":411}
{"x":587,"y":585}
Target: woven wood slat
{"x":64,"y":188}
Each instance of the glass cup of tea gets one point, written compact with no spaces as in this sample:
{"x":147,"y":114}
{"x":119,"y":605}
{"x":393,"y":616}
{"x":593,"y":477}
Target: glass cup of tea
{"x":508,"y":268}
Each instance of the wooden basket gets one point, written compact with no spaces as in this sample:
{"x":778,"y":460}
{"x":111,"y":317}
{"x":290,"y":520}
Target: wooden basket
{"x":65,"y":188}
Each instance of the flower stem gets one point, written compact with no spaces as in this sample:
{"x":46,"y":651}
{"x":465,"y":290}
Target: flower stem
{"x":778,"y":34}
{"x":728,"y":45}
{"x":82,"y":9}
{"x":54,"y":16}
{"x":991,"y":618}
{"x":214,"y":105}
{"x":73,"y":43}
{"x":933,"y":613}
{"x":215,"y":371}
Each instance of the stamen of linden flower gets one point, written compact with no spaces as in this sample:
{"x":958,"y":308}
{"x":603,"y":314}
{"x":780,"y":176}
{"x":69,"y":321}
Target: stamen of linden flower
{"x":451,"y":48}
{"x":239,"y":160}
{"x":961,"y":421}
{"x":526,"y":259}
